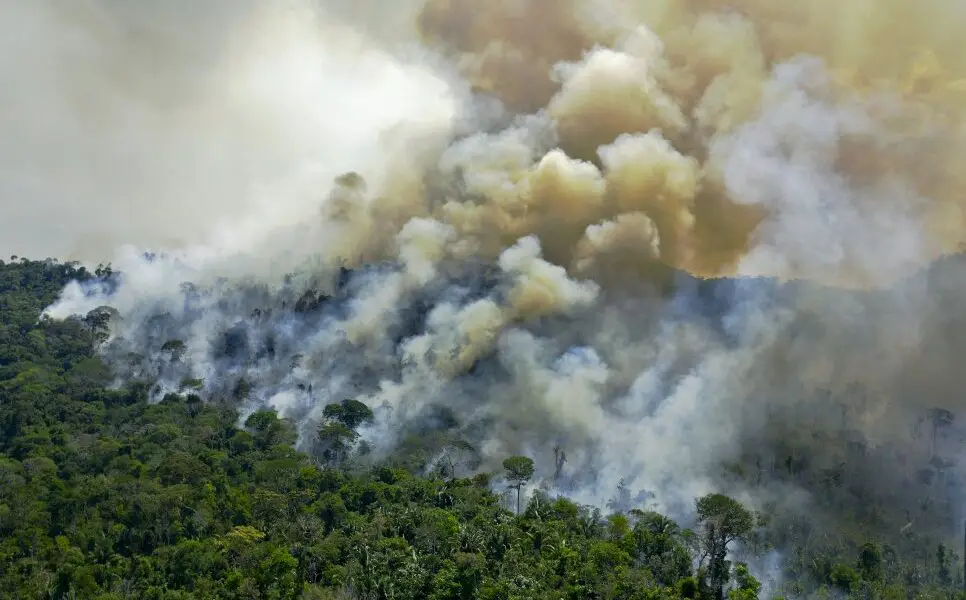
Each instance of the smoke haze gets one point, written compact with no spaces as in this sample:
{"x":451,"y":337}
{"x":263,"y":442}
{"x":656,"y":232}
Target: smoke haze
{"x":528,"y":196}
{"x":155,"y":123}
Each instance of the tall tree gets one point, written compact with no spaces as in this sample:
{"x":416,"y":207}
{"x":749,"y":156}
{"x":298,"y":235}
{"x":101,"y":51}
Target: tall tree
{"x":870,"y":562}
{"x":519,"y":470}
{"x":337,"y":434}
{"x":723,"y":520}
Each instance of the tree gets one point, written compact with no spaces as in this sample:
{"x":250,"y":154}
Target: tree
{"x":98,"y":322}
{"x":559,"y":459}
{"x":870,"y":562}
{"x":455,"y":452}
{"x":268,"y":430}
{"x":657,"y":546}
{"x":519,"y":470}
{"x":337,"y":433}
{"x":349,"y":412}
{"x":194,"y":403}
{"x":943,"y":565}
{"x":748,"y":585}
{"x":724,"y":520}
{"x":174,"y":349}
{"x":336,"y":440}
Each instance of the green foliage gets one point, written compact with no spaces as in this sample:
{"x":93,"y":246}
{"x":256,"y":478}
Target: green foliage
{"x":870,"y":563}
{"x":844,"y":578}
{"x":519,"y":469}
{"x":349,"y":412}
{"x":106,"y":496}
{"x":658,"y":544}
{"x":268,"y":431}
{"x":747,"y":587}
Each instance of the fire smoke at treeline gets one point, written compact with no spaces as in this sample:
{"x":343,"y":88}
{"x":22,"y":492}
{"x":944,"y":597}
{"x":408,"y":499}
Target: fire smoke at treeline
{"x":525,"y":196}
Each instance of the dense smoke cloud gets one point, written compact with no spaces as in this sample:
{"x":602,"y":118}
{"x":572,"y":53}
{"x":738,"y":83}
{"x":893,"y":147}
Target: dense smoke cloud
{"x":853,"y":109}
{"x":522,"y":205}
{"x":154,"y":123}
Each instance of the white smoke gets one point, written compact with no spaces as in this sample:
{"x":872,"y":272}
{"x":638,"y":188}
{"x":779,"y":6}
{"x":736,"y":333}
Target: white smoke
{"x":174,"y":124}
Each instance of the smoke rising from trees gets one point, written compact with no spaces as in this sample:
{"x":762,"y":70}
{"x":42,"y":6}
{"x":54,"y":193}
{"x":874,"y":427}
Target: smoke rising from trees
{"x":524,"y":226}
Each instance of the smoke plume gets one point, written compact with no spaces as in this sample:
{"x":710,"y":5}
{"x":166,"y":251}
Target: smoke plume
{"x":665,"y":238}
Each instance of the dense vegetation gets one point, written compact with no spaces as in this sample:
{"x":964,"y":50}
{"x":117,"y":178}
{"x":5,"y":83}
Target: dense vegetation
{"x":104,"y":495}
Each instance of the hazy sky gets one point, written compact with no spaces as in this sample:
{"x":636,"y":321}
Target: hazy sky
{"x":135,"y":121}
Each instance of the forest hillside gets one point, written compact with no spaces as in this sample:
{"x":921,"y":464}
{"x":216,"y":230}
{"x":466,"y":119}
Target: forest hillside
{"x":107,"y":494}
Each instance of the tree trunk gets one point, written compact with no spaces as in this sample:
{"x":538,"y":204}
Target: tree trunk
{"x":718,"y":578}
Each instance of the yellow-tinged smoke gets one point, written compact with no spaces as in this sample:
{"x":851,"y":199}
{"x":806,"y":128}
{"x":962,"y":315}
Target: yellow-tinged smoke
{"x":809,"y":139}
{"x":654,"y":104}
{"x":812,"y":139}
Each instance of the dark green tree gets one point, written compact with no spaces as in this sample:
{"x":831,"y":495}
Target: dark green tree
{"x":268,"y":430}
{"x":98,"y":322}
{"x":337,"y":433}
{"x":870,"y":562}
{"x":723,"y":520}
{"x":349,"y":412}
{"x":519,"y":470}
